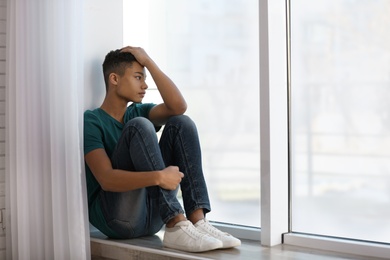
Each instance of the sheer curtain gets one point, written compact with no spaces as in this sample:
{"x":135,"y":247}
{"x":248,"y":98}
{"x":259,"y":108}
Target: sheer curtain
{"x":46,"y":200}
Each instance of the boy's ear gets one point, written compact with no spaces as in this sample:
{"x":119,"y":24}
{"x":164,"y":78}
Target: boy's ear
{"x":113,"y":78}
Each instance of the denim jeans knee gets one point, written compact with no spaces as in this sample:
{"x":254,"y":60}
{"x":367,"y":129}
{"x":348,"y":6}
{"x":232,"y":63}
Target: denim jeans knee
{"x":182,"y":121}
{"x":137,"y":148}
{"x":141,"y":123}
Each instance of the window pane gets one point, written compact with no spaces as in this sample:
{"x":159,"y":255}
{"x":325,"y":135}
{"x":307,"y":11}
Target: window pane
{"x":210,"y":50}
{"x":341,"y":118}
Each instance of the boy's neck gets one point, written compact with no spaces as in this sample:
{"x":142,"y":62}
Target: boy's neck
{"x":116,"y":110}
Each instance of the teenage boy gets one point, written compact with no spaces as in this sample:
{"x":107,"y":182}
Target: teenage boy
{"x":133,"y":178}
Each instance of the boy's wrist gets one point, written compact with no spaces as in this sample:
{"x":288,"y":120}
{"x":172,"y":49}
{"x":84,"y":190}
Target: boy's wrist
{"x":149,"y":63}
{"x":157,"y":177}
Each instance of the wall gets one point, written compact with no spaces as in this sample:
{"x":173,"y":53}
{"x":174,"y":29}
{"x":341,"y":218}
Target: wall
{"x":103,"y":32}
{"x":3,"y":17}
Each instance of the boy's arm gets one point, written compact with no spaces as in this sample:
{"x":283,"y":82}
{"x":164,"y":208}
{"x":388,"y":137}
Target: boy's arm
{"x":115,"y":180}
{"x":174,"y":103}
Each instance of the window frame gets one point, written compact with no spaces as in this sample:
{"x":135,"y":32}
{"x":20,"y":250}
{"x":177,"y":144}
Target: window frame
{"x":342,"y":245}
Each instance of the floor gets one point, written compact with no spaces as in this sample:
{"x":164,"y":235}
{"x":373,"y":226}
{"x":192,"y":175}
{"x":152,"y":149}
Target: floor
{"x":151,"y":248}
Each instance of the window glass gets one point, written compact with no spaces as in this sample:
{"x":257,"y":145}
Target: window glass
{"x":341,"y":118}
{"x":210,"y":49}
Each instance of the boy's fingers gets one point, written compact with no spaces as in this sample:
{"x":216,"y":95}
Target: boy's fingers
{"x":127,"y":48}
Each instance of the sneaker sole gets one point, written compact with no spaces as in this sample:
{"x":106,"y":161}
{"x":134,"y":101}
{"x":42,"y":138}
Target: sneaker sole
{"x":231,"y":244}
{"x":182,"y":248}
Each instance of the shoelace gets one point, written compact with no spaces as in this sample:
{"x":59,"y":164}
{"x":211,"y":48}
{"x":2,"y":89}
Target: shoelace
{"x":194,"y":232}
{"x":211,"y":229}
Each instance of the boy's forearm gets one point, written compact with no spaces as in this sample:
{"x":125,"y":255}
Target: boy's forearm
{"x":169,"y":92}
{"x":122,"y":181}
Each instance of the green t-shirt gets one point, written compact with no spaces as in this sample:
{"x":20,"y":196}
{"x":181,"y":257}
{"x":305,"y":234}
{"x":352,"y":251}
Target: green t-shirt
{"x":103,"y":131}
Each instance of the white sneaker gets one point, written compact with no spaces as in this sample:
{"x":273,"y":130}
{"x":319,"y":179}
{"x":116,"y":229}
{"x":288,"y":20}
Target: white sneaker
{"x":228,"y":240}
{"x":184,"y":236}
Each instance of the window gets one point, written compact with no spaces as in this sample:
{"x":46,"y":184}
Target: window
{"x":211,"y":50}
{"x":341,"y":118}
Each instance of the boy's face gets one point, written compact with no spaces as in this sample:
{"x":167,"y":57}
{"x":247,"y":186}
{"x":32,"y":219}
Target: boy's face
{"x":131,"y":86}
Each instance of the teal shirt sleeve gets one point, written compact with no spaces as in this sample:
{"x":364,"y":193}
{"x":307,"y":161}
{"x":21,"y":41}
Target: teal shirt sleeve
{"x":93,"y":132}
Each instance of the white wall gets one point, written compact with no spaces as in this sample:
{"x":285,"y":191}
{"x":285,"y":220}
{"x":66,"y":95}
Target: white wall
{"x":103,"y":32}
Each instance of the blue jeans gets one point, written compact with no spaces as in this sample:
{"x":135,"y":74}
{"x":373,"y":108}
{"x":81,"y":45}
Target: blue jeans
{"x":144,"y":211}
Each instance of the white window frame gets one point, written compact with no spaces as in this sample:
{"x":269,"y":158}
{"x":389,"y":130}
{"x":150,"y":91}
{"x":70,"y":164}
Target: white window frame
{"x":273,"y":121}
{"x":275,"y":103}
{"x":273,"y":128}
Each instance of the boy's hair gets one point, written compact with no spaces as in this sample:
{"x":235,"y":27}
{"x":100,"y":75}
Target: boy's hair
{"x":116,"y":62}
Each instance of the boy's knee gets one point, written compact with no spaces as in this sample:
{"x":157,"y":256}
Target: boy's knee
{"x":141,"y":123}
{"x":181,"y":120}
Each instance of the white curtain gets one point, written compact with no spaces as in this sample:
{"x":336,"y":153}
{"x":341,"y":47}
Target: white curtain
{"x":46,"y":194}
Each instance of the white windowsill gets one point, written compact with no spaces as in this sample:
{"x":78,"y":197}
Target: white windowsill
{"x":338,"y":245}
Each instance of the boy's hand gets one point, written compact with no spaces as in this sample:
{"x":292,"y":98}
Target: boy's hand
{"x":171,"y":178}
{"x":139,"y":53}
